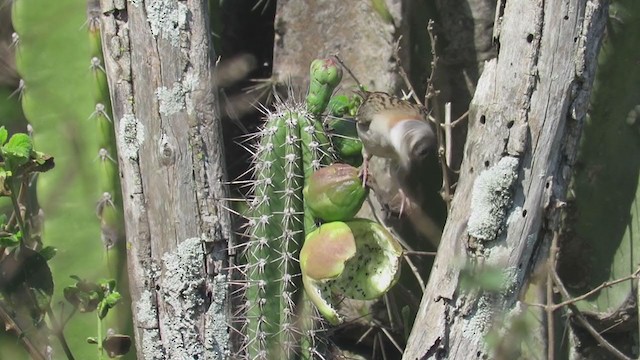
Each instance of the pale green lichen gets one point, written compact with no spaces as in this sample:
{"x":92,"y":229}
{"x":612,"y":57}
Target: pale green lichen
{"x":131,"y":133}
{"x":491,"y":199}
{"x":217,"y":332}
{"x":181,"y":290}
{"x":167,"y":19}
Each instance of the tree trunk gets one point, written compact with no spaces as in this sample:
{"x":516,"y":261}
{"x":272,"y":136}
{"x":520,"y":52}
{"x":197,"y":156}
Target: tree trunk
{"x":524,"y":124}
{"x":159,"y":64}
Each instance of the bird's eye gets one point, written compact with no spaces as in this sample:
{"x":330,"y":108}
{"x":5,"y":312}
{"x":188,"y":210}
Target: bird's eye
{"x":420,"y":151}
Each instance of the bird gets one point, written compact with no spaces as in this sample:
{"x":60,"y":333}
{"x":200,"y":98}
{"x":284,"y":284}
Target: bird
{"x":392,"y":128}
{"x":398,"y":132}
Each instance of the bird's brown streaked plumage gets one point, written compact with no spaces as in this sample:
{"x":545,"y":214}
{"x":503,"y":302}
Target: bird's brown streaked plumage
{"x":393,"y":128}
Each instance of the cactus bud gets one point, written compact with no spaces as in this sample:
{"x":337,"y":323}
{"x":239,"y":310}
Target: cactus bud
{"x":325,"y":75}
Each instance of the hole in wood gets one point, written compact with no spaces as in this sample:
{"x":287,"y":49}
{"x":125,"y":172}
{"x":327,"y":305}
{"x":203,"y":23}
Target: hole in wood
{"x":524,"y":213}
{"x":566,"y":17}
{"x":510,"y":124}
{"x":529,"y":38}
{"x":486,"y":163}
{"x":483,"y":119}
{"x":471,"y":170}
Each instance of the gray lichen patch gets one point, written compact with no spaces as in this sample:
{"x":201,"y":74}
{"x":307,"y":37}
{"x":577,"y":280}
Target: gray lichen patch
{"x":217,"y":332}
{"x":146,"y":311}
{"x":172,"y":101}
{"x":167,"y":18}
{"x":131,"y":133}
{"x":491,"y":199}
{"x":182,"y":293}
{"x":477,"y":324}
{"x":152,"y":345}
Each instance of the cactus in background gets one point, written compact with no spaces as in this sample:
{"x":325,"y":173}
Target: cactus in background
{"x":65,"y":99}
{"x":601,"y":242}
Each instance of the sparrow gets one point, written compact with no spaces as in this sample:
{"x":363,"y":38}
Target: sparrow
{"x":395,"y":129}
{"x":398,"y":132}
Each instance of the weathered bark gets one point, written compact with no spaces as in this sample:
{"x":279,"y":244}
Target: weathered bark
{"x":159,"y":64}
{"x":528,"y":110}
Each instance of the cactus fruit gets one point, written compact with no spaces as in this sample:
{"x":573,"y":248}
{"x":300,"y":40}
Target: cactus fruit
{"x":335,"y":192}
{"x":357,"y":259}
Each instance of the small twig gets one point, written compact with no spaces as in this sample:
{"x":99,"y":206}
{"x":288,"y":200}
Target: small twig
{"x":597,"y":288}
{"x":420,"y":253}
{"x":9,"y":323}
{"x":58,"y":332}
{"x":344,"y":66}
{"x":462,"y":117}
{"x":584,"y":322}
{"x":403,"y":73}
{"x":447,"y":132}
{"x":415,"y":272}
{"x":431,"y":96}
{"x":549,"y":309}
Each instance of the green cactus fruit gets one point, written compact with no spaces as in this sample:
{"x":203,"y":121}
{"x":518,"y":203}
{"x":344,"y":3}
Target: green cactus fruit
{"x":325,"y":75}
{"x":331,"y":268}
{"x":335,"y":192}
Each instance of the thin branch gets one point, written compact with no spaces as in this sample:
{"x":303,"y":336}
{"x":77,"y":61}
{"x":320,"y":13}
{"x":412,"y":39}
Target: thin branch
{"x":58,"y":332}
{"x":415,"y":272}
{"x":10,"y":323}
{"x":596,"y":289}
{"x":447,"y":133}
{"x":420,"y":253}
{"x":431,"y":96}
{"x":549,"y":309}
{"x":584,"y":322}
{"x":403,"y":73}
{"x":344,"y":66}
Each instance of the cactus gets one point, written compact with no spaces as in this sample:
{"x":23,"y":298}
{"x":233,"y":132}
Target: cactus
{"x":601,"y":241}
{"x":289,"y":150}
{"x":292,"y":189}
{"x":65,"y":99}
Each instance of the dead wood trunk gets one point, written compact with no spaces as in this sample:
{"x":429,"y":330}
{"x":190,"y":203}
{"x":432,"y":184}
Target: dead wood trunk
{"x":525,"y":120}
{"x":159,"y":63}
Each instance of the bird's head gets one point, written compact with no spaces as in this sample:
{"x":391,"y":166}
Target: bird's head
{"x":413,"y":141}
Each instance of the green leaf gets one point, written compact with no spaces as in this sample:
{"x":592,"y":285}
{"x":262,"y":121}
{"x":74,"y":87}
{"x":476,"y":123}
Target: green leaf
{"x":113,"y":299}
{"x":48,"y":252}
{"x":18,"y":150}
{"x":9,"y":241}
{"x":4,"y":134}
